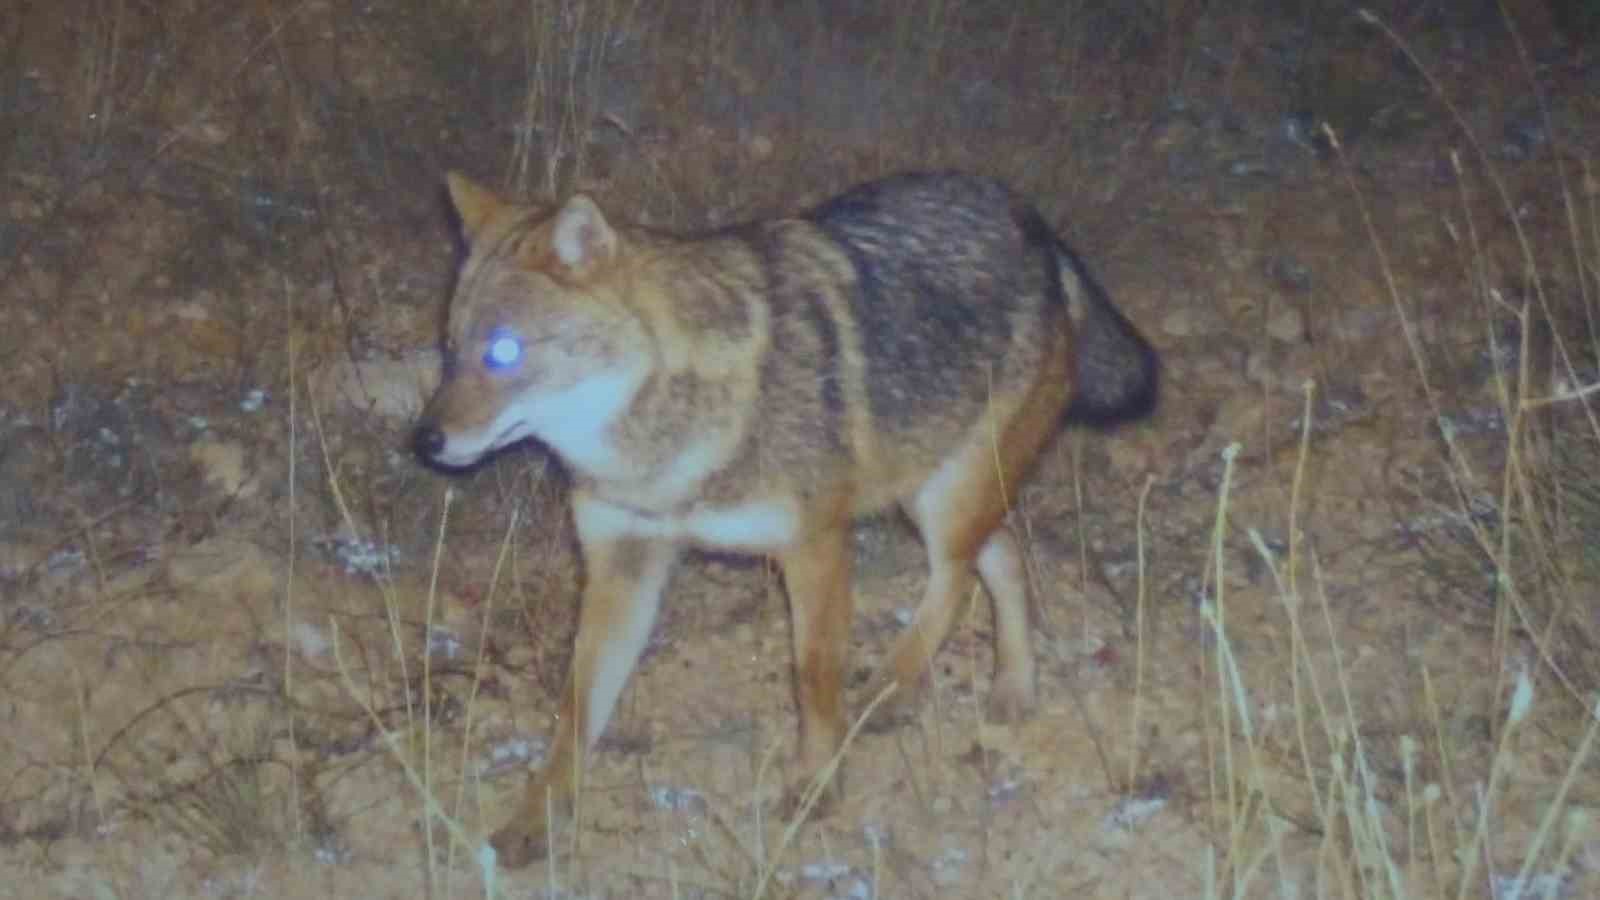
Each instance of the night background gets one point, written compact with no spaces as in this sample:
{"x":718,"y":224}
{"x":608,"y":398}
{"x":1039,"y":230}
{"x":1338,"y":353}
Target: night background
{"x":245,"y":635}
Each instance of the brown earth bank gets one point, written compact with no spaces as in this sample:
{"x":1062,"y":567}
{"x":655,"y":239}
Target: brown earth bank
{"x":1324,"y":625}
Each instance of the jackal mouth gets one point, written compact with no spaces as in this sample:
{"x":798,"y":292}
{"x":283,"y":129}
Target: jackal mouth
{"x":457,"y":450}
{"x":506,"y":432}
{"x":507,"y":436}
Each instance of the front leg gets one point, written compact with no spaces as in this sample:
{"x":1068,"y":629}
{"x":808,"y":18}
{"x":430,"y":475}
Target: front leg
{"x":816,"y":572}
{"x":622,"y":594}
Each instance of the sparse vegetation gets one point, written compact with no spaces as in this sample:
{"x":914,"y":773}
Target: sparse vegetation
{"x":1325,"y":627}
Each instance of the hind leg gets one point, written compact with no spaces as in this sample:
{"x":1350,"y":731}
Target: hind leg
{"x":1015,"y":681}
{"x":960,"y":511}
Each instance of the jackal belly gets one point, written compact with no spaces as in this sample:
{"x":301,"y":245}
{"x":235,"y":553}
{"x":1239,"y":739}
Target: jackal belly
{"x":753,"y":526}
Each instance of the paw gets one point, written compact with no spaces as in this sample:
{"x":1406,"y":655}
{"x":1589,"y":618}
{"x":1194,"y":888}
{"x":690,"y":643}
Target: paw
{"x":792,"y":804}
{"x":1012,"y":699}
{"x":520,"y":843}
{"x":897,"y":709}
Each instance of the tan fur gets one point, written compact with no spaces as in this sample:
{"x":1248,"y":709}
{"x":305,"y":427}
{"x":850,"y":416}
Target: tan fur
{"x":913,"y":342}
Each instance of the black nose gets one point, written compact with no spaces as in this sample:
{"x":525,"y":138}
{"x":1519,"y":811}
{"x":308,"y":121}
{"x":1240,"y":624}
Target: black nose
{"x":428,"y":441}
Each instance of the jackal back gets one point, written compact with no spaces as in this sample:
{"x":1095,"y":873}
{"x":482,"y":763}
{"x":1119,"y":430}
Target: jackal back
{"x":729,"y":385}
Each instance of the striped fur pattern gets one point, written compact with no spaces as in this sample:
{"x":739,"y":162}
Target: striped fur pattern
{"x":914,"y":342}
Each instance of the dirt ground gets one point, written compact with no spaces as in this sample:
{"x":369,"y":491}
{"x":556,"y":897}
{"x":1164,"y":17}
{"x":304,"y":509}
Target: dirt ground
{"x":1290,"y":623}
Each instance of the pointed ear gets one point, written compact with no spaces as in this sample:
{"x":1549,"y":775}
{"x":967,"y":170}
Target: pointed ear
{"x":475,"y":204}
{"x":582,"y":238}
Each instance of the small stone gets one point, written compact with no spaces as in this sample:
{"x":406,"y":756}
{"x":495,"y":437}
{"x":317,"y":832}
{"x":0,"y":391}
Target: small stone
{"x":1238,"y":419}
{"x":222,"y":466}
{"x":1178,"y":323}
{"x":1288,"y":325}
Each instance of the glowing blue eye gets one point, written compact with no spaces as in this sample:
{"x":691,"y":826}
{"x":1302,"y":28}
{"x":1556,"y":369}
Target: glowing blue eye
{"x":504,"y":351}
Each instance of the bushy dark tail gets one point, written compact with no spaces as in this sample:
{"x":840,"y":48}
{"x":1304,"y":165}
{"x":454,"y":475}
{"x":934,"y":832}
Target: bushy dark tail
{"x":1118,"y":371}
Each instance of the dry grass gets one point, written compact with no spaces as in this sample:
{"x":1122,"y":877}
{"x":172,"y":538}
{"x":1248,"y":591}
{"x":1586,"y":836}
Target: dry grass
{"x":206,"y":199}
{"x":1538,"y":600}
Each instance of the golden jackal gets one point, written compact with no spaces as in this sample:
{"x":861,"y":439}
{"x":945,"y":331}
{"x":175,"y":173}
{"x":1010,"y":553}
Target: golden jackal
{"x":914,"y":341}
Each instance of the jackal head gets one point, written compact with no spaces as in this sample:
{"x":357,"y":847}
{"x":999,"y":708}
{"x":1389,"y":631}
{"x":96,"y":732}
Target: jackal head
{"x":539,"y":342}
